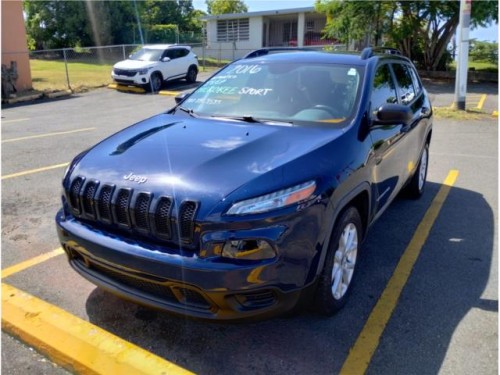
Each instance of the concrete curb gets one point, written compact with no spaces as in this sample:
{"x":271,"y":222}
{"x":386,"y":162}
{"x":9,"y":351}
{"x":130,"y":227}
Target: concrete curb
{"x":25,"y":98}
{"x":58,"y":94}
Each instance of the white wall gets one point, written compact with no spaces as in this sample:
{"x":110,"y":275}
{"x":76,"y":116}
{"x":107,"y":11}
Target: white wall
{"x":226,"y":50}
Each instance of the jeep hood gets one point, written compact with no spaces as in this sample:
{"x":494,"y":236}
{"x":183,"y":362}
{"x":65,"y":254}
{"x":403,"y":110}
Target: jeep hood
{"x":200,"y":159}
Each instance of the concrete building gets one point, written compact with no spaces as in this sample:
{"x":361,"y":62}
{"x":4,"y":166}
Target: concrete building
{"x":242,"y":32}
{"x":14,"y":43}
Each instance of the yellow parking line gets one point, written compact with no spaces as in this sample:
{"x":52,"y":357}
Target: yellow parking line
{"x":481,"y":102}
{"x":74,"y":343}
{"x":31,"y":262}
{"x":43,"y":169}
{"x":47,"y":135}
{"x":16,"y":120}
{"x":361,"y":353}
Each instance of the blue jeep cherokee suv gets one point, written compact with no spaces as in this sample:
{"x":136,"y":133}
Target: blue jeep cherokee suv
{"x":256,"y":190}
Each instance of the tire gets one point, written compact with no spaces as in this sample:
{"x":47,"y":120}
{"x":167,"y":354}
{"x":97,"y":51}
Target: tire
{"x":155,"y":82}
{"x":335,"y":282}
{"x":416,"y":186}
{"x":191,"y":74}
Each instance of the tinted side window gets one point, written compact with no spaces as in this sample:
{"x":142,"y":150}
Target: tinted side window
{"x":174,"y":53}
{"x":416,"y":81}
{"x":405,"y":83}
{"x":182,"y":52}
{"x":384,"y":90}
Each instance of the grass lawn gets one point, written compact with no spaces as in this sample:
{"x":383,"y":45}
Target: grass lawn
{"x":480,"y":66}
{"x":51,"y":75}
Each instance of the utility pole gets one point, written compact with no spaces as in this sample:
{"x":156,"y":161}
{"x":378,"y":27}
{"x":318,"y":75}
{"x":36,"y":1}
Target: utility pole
{"x":463,"y":54}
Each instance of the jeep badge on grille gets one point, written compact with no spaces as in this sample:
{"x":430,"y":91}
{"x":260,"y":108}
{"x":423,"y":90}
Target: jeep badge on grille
{"x":135,"y":178}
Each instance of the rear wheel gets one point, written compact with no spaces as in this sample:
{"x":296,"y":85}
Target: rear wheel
{"x":340,"y":264}
{"x":415,"y":187}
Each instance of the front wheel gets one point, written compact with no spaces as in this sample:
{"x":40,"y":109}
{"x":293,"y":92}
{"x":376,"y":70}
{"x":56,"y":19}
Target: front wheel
{"x":335,"y":281}
{"x":155,"y":82}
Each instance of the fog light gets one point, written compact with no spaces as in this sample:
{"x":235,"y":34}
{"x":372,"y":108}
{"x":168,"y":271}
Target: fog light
{"x":248,"y":250}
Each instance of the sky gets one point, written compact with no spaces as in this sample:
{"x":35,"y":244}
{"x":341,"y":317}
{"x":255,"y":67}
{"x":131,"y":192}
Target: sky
{"x":488,"y":34}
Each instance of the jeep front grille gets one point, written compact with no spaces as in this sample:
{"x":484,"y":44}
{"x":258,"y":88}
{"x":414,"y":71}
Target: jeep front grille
{"x":137,"y":211}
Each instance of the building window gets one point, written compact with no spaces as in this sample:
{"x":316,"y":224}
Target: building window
{"x":309,"y":25}
{"x":233,"y":30}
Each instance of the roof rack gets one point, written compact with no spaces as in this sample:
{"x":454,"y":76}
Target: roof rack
{"x":267,"y":51}
{"x":370,"y":51}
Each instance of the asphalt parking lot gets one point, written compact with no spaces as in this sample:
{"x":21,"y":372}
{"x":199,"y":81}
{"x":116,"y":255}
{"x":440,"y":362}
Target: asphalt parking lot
{"x":425,"y":300}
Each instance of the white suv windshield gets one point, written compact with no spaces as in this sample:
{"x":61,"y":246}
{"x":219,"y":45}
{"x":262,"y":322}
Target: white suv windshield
{"x":146,"y":54}
{"x":288,"y":92}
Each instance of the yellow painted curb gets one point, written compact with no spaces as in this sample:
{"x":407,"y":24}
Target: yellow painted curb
{"x":171,"y":93}
{"x":74,"y":343}
{"x":126,"y":88}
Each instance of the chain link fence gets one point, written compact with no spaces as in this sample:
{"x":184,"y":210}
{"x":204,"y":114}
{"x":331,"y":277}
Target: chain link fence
{"x":79,"y":69}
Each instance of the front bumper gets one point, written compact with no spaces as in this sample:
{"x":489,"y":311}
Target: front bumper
{"x":136,"y":80}
{"x":182,"y":282}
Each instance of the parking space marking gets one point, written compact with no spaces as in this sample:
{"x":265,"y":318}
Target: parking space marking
{"x":16,"y":120}
{"x":361,"y":353}
{"x":48,"y":135}
{"x":31,"y":171}
{"x":74,"y":343}
{"x":31,"y":262}
{"x":481,"y":101}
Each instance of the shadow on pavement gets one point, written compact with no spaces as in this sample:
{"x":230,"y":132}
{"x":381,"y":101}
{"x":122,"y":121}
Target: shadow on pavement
{"x":446,"y":283}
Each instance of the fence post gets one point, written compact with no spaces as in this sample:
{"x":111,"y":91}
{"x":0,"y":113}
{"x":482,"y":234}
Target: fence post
{"x":123,"y":49}
{"x":203,"y":55}
{"x":66,"y":66}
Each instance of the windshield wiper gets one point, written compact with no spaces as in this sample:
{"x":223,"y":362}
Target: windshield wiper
{"x":253,"y":120}
{"x":190,"y":112}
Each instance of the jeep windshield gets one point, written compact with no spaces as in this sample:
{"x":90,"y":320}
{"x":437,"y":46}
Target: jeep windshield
{"x":282,"y":92}
{"x":146,"y":54}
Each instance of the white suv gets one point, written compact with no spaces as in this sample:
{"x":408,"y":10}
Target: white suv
{"x":150,"y":66}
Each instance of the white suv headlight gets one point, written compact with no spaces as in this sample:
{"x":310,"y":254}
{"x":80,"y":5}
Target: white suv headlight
{"x":143,"y":71}
{"x":272,"y":201}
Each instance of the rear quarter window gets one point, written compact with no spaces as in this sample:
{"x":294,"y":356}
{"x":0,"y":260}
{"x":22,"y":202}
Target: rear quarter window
{"x":405,"y":83}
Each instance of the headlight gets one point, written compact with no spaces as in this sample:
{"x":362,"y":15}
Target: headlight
{"x":278,"y":199}
{"x":143,"y":71}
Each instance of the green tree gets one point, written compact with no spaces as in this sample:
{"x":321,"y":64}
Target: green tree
{"x":226,"y":6}
{"x":55,"y":24}
{"x":356,"y":20}
{"x":422,"y":30}
{"x":483,"y":51}
{"x":62,"y":24}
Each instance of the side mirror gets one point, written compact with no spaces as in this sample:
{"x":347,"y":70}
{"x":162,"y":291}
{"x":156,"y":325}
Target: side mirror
{"x":165,"y":59}
{"x":393,"y":114}
{"x":181,"y":97}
